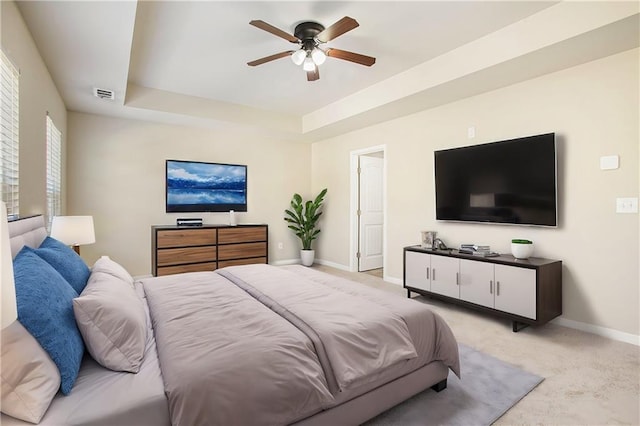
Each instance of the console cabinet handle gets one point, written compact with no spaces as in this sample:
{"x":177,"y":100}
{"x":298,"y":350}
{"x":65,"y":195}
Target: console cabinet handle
{"x":457,"y":278}
{"x":497,"y":288}
{"x":490,"y":286}
{"x":428,"y":273}
{"x":433,"y":274}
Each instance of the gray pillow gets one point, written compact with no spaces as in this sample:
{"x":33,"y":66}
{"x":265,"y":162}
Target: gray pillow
{"x":106,"y":265}
{"x":30,"y":379}
{"x":112,"y":321}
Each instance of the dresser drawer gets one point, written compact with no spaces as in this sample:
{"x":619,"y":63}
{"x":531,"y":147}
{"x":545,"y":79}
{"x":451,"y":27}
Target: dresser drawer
{"x":235,"y":251}
{"x":238,"y":235}
{"x":193,"y":267}
{"x":186,"y":238}
{"x":236,"y":262}
{"x":176,"y":256}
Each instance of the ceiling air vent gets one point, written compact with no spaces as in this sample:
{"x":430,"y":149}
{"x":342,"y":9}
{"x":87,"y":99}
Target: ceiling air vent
{"x":103,"y":93}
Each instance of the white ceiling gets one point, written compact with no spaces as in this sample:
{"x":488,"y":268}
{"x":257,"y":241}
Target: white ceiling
{"x":160,"y":55}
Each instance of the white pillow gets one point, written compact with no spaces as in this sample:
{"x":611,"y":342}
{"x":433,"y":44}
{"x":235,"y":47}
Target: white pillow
{"x":30,"y":379}
{"x":112,"y":321}
{"x":108,"y":266}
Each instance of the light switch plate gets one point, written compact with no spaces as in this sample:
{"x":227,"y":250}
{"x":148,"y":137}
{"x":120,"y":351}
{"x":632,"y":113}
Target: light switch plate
{"x":609,"y":162}
{"x":626,"y":205}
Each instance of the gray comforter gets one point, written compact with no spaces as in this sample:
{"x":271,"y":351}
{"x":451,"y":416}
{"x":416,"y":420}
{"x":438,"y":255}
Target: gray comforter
{"x":355,"y":338}
{"x":226,"y":359}
{"x":269,"y":345}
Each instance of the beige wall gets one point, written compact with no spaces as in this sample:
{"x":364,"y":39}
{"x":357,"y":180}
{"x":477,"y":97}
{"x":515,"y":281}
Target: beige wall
{"x":117,"y":170}
{"x":592,"y":108}
{"x":38,"y":94}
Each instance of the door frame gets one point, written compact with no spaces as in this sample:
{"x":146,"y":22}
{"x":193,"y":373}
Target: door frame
{"x":353,"y":205}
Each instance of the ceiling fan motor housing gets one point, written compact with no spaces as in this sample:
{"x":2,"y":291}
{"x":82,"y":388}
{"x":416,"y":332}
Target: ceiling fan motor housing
{"x":307,"y":32}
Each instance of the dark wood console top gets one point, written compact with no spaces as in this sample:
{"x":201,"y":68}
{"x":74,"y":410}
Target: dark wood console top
{"x":504,"y":259}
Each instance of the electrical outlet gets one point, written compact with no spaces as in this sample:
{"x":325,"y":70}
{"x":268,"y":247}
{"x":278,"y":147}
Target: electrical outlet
{"x":280,"y":246}
{"x":626,"y":205}
{"x":471,"y":132}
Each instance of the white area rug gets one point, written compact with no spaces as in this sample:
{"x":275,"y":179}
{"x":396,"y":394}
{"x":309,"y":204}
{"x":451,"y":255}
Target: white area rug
{"x":488,"y":388}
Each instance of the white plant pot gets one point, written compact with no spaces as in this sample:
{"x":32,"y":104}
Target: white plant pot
{"x":521,"y":251}
{"x":307,"y":257}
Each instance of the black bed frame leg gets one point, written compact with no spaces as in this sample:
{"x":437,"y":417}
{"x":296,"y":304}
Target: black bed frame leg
{"x":409,"y":293}
{"x":517,"y":326}
{"x":440,"y":386}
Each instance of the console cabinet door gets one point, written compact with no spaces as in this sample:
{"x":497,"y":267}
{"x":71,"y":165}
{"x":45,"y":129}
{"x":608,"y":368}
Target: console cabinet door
{"x":516,"y":290}
{"x":444,"y":276}
{"x":417,"y":270}
{"x":477,"y":283}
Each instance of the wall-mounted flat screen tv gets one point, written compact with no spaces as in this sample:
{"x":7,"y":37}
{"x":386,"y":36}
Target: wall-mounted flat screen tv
{"x":509,"y":182}
{"x":194,"y":186}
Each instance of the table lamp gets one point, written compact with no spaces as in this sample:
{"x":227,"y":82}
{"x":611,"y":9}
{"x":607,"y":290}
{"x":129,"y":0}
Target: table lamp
{"x":8,"y":301}
{"x":73,"y":230}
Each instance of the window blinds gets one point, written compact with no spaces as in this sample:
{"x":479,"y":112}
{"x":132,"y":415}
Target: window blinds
{"x":9,"y":127}
{"x":54,"y":174}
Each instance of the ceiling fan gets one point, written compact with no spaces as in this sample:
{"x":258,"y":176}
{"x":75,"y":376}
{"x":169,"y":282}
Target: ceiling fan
{"x":310,"y":35}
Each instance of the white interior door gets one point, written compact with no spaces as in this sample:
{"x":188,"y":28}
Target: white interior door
{"x":371,"y":217}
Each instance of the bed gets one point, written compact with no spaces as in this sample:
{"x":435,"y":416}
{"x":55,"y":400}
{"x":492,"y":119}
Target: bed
{"x":257,"y":344}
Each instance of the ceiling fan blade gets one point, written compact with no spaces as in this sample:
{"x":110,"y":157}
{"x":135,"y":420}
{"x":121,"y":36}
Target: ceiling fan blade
{"x":337,"y":29}
{"x":270,"y":58}
{"x":273,"y":30}
{"x":352,"y":57}
{"x":313,"y":75}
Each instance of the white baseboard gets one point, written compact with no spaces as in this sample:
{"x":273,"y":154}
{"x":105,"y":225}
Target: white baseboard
{"x":332,"y":264}
{"x":393,"y":280}
{"x":609,"y":333}
{"x":285,"y":262}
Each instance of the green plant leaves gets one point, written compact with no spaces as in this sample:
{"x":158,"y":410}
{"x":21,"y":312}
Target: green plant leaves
{"x":519,"y":241}
{"x":303,"y":217}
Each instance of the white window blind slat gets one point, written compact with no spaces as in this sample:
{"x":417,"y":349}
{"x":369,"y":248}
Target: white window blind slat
{"x":54,"y":175}
{"x":9,"y":134}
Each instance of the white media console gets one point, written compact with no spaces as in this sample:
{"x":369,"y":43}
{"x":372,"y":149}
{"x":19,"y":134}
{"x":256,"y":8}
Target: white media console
{"x":529,"y":292}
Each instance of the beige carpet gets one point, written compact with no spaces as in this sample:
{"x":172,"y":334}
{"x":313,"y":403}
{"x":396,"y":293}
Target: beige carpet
{"x":589,"y":380}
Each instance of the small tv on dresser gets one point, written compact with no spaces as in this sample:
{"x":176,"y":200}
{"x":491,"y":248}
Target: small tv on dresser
{"x":195,"y":186}
{"x":507,"y":182}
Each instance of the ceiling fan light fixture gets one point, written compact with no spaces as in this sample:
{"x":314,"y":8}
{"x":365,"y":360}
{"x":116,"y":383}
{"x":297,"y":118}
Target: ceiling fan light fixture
{"x":308,"y":64}
{"x":318,"y":56}
{"x":298,"y":56}
{"x":309,"y":35}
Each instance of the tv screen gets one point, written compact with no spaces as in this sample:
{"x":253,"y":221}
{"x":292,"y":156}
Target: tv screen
{"x":511,"y":181}
{"x":193,"y":186}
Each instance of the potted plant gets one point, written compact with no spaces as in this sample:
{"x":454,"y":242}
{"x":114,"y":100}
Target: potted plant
{"x":303,"y":219}
{"x":521,"y":249}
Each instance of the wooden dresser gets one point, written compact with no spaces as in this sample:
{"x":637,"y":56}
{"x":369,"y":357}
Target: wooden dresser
{"x":177,"y":249}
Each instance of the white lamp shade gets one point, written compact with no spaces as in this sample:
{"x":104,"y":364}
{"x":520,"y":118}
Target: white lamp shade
{"x":8,"y":302}
{"x":298,"y":56}
{"x":308,"y":64}
{"x":73,"y":230}
{"x":318,"y":56}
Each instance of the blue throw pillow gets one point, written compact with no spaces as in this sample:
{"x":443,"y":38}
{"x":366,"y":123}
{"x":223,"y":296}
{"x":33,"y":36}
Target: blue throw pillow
{"x":45,"y":309}
{"x":66,"y":262}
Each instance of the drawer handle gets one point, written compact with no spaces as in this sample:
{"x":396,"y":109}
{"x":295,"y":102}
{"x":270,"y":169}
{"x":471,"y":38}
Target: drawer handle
{"x":491,"y":287}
